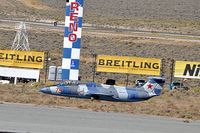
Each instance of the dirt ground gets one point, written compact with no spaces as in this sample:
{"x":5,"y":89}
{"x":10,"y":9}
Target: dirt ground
{"x":110,"y":42}
{"x":177,"y":104}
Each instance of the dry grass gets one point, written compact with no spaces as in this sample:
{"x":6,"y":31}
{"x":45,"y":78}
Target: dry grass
{"x":34,"y":4}
{"x":177,"y":104}
{"x":109,"y":42}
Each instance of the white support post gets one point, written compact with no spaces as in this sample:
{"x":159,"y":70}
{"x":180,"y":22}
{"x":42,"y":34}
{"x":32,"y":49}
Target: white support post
{"x":15,"y":82}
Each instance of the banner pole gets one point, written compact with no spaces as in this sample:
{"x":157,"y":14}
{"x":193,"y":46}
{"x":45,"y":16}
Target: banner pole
{"x":172,"y":71}
{"x":46,"y":64}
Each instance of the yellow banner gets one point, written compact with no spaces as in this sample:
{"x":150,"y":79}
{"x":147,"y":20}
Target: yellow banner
{"x":26,"y":59}
{"x":186,"y":69}
{"x":130,"y":65}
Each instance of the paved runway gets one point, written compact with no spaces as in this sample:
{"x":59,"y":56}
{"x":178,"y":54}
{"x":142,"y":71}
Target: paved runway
{"x":41,"y":119}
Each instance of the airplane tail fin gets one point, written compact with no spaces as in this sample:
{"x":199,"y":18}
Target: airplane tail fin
{"x":154,"y":86}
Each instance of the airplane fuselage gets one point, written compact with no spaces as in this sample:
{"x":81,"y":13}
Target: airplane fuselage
{"x":103,"y":92}
{"x":91,"y":90}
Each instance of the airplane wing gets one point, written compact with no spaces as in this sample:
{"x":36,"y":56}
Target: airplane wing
{"x":101,"y":92}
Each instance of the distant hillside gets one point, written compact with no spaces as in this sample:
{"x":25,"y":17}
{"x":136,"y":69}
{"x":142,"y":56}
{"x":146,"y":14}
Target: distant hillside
{"x":181,"y":16}
{"x":186,"y":9}
{"x":181,"y":9}
{"x":28,"y":10}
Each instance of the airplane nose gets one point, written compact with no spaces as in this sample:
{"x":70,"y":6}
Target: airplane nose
{"x":45,"y":90}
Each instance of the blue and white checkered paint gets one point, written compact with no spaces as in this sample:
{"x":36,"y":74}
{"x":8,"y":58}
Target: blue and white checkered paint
{"x":72,"y":39}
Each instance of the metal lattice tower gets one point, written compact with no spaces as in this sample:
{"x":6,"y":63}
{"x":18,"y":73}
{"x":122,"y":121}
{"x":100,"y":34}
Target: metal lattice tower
{"x":21,"y":39}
